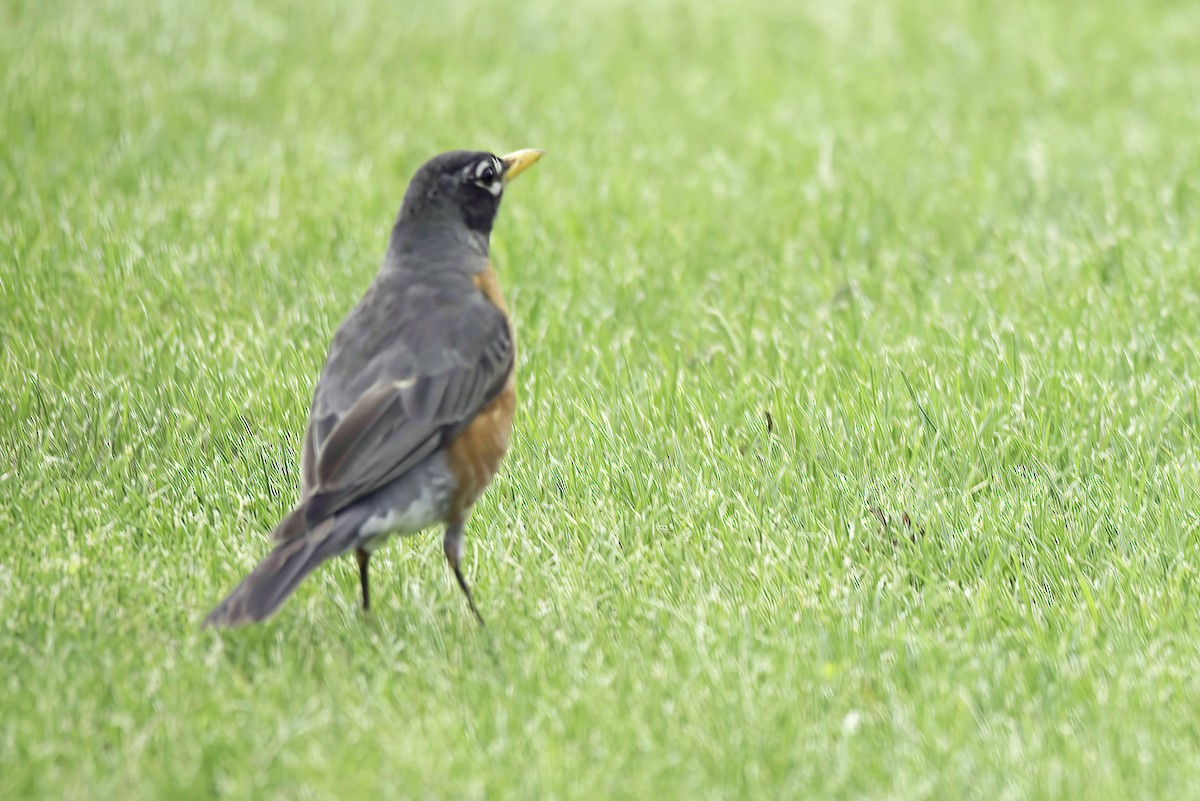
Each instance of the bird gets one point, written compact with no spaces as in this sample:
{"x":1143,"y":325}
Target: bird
{"x":413,"y":409}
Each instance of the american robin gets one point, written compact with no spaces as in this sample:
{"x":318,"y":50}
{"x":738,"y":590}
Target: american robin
{"x":412,"y":414}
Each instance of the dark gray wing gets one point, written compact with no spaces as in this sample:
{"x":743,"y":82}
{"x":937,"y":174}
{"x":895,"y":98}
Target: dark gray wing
{"x":442,"y":366}
{"x":308,"y":463}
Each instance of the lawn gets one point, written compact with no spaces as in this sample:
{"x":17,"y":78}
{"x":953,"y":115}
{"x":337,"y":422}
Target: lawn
{"x":858,"y":443}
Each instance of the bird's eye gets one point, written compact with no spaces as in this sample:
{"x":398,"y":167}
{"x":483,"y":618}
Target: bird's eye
{"x":487,"y":176}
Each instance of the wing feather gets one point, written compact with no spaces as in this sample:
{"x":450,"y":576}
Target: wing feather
{"x":427,"y":387}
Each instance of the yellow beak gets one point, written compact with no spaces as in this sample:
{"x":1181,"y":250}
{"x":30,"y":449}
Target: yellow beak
{"x":516,"y":163}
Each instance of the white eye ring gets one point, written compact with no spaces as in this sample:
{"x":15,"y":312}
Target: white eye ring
{"x":488,"y":176}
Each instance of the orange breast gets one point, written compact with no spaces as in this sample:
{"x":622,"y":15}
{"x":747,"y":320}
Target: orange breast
{"x":476,"y":455}
{"x":485,"y":281}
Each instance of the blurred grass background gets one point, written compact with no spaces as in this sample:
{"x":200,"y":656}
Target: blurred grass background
{"x":950,"y":248}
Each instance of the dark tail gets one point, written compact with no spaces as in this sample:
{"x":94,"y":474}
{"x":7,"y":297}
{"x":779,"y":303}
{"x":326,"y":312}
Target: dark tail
{"x":278,"y":575}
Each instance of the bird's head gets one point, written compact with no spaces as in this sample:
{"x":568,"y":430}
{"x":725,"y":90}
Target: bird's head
{"x":460,"y":188}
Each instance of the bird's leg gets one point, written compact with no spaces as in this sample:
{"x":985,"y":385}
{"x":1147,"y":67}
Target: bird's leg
{"x":363,"y":558}
{"x":452,"y":544}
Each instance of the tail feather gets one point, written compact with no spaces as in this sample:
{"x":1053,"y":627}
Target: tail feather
{"x":277,"y":576}
{"x":293,"y":524}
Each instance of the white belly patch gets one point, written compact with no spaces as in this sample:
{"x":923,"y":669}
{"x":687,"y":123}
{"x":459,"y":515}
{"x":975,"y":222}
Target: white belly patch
{"x":420,"y":514}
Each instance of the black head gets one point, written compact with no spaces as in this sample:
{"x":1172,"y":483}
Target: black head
{"x":460,"y":188}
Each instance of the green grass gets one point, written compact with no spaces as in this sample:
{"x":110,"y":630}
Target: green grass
{"x":951,"y":247}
